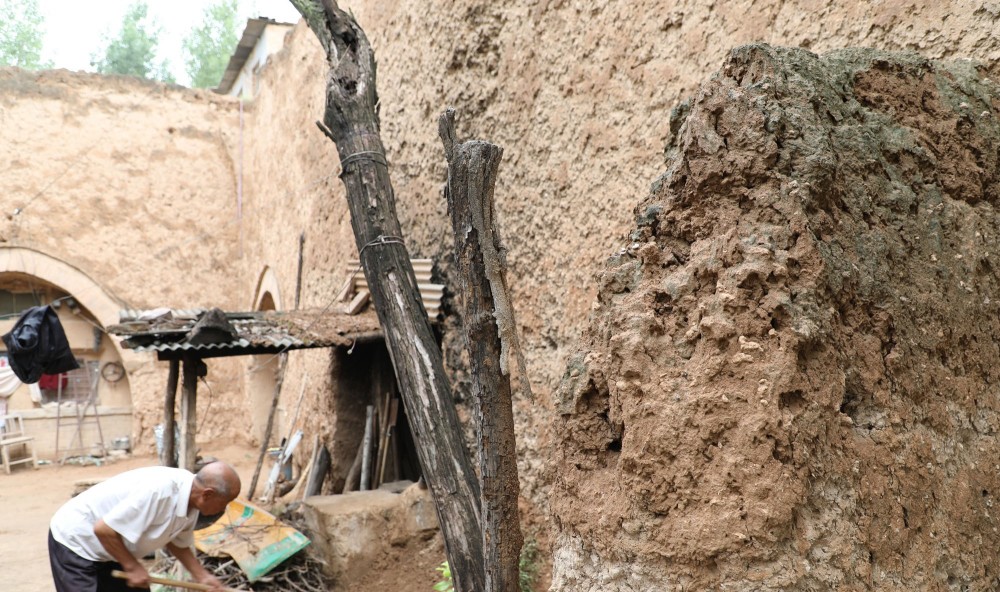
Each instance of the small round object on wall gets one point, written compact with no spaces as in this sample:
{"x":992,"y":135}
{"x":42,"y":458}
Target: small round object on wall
{"x":112,"y":372}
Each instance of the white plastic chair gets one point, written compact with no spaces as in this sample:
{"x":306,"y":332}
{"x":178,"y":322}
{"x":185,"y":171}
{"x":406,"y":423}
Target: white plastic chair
{"x":12,"y":434}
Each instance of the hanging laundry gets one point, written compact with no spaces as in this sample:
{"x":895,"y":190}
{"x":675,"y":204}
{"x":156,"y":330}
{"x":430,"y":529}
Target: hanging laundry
{"x":52,"y":381}
{"x":37,"y":345}
{"x":9,"y":382}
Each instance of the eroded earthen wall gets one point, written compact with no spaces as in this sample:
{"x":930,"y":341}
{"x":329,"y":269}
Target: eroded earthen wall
{"x":790,"y":379}
{"x":132,"y":184}
{"x":579,"y":95}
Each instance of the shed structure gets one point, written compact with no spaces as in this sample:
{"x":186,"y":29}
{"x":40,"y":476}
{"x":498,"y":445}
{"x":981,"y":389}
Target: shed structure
{"x":185,"y":338}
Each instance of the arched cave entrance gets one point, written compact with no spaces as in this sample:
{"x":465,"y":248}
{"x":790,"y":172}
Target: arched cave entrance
{"x":263,"y":379}
{"x":101,"y":375}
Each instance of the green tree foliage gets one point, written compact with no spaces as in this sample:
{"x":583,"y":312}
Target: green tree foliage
{"x":21,"y":35}
{"x":208,"y":46}
{"x":132,"y":51}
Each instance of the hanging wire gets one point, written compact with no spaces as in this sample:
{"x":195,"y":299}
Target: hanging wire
{"x":211,"y":397}
{"x":81,"y":156}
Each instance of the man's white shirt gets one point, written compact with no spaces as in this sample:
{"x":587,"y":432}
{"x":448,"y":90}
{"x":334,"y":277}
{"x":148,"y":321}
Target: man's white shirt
{"x":148,"y":507}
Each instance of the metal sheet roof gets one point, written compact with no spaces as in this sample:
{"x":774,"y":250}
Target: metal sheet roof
{"x":168,"y":331}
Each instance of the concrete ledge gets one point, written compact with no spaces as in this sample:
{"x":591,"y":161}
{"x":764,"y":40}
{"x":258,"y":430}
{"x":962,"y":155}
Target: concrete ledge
{"x":51,"y":412}
{"x":41,"y":423}
{"x":353,"y":530}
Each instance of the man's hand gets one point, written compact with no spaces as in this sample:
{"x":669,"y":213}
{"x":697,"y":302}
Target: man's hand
{"x":138,"y":577}
{"x":194,"y":567}
{"x":210,"y":580}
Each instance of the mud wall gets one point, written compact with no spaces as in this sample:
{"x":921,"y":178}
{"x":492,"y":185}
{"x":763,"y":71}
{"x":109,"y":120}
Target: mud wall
{"x":584,"y":118}
{"x":132,"y":184}
{"x":789,"y":378}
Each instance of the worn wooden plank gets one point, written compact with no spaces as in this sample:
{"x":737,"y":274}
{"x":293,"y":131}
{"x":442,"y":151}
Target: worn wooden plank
{"x":358,"y":302}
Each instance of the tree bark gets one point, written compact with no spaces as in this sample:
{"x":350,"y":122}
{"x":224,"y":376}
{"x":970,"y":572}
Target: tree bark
{"x":169,"y":418}
{"x":351,"y":121}
{"x":472,"y":172}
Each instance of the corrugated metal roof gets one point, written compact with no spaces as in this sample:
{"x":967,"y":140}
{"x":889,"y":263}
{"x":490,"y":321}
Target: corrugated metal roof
{"x":170,"y":330}
{"x":251,"y":35}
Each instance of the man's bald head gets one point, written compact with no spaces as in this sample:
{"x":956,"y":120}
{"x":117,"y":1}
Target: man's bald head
{"x":221,"y":478}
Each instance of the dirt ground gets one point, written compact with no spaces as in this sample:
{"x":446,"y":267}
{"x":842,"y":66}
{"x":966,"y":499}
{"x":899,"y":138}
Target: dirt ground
{"x":29,"y":498}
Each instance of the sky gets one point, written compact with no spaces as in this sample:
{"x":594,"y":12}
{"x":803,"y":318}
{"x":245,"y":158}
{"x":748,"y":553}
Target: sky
{"x":75,"y":30}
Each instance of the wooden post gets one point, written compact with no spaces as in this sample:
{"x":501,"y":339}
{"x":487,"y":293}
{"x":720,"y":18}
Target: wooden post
{"x":169,"y":421}
{"x":189,"y":413}
{"x":366,"y":447}
{"x":282,"y":362}
{"x":351,"y":122}
{"x":355,"y":472}
{"x":472,"y":172}
{"x":298,"y":273}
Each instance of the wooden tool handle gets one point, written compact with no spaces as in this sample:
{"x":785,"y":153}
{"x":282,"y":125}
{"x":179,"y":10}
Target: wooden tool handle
{"x":177,"y":583}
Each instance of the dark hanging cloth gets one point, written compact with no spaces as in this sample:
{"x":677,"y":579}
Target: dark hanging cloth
{"x":37,"y":345}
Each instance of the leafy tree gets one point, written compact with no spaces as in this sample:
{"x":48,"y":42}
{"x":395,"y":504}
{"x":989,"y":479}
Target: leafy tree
{"x":208,"y":46}
{"x":132,"y":52}
{"x":21,"y":35}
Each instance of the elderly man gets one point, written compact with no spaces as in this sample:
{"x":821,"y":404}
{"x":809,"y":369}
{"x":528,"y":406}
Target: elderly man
{"x":115,"y":522}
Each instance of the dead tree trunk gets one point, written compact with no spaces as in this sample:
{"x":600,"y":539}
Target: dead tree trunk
{"x":472,"y":172}
{"x":351,"y":121}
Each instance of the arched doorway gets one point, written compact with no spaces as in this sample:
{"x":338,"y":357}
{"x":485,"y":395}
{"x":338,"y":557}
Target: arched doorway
{"x":31,"y":278}
{"x":263,"y":371}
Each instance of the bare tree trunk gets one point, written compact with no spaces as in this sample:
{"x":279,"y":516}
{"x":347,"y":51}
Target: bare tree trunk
{"x":351,"y":121}
{"x":472,"y":172}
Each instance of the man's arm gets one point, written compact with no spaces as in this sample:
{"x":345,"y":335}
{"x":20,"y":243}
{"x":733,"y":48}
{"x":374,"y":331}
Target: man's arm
{"x":194,"y":567}
{"x":112,"y":542}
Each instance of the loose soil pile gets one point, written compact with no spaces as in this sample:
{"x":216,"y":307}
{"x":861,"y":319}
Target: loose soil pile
{"x":789,"y":381}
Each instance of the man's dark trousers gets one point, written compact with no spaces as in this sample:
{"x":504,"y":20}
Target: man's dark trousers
{"x":73,"y":573}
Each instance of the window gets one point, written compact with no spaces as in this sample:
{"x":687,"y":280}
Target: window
{"x":13,"y":303}
{"x":76,"y":384}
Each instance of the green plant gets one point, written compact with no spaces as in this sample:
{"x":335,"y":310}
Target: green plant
{"x":22,"y":35}
{"x":527,"y":566}
{"x":133,"y":50}
{"x":446,"y":584}
{"x":208,"y":46}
